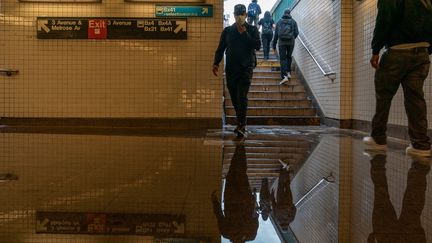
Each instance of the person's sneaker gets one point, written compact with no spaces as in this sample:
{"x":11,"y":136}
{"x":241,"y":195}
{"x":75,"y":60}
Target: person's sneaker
{"x":370,"y":141}
{"x":410,"y":150}
{"x":284,"y":80}
{"x":288,"y":75}
{"x":241,"y":132}
{"x":236,"y":129}
{"x":371,"y":153}
{"x":285,"y":166}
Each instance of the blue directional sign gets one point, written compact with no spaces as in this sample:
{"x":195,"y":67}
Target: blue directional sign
{"x":184,"y":11}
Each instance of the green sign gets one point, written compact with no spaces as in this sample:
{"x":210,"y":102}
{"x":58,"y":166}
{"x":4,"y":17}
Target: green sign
{"x":184,"y":11}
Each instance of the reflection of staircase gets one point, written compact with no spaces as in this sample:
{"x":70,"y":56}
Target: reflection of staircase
{"x":274,"y":104}
{"x":263,"y":153}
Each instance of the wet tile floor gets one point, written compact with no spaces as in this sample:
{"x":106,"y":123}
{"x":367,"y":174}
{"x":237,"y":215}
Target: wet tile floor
{"x":280,"y":184}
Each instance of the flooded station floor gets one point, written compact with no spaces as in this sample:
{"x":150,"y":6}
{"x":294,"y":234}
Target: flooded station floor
{"x":280,"y":184}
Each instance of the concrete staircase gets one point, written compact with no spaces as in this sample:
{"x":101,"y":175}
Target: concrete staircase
{"x":274,"y":104}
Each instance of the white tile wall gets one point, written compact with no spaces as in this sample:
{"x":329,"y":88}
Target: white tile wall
{"x":340,"y":33}
{"x":107,"y":78}
{"x":320,"y":22}
{"x":317,"y":219}
{"x":363,"y":86}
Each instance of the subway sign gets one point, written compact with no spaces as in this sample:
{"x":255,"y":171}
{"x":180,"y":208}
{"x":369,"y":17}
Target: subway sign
{"x":111,"y":28}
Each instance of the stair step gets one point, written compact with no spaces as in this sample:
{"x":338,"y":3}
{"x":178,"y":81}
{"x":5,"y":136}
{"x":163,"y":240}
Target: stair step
{"x":299,"y":103}
{"x":274,"y":111}
{"x":271,"y":56}
{"x":257,"y":138}
{"x":256,"y":167}
{"x":254,"y":141}
{"x":252,"y":174}
{"x":274,"y":87}
{"x":268,"y":160}
{"x":259,"y":72}
{"x":266,"y":144}
{"x":267,"y":63}
{"x":267,"y":167}
{"x":228,"y":156}
{"x":290,"y":150}
{"x":274,"y":95}
{"x":278,"y":120}
{"x":288,"y":87}
{"x":259,"y":80}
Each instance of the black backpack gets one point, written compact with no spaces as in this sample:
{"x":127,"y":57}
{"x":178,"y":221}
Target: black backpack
{"x":286,"y":29}
{"x":267,"y":28}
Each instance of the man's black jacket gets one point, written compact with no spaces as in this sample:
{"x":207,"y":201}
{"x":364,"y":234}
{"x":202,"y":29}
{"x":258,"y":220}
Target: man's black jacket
{"x":240,"y":48}
{"x":401,"y":22}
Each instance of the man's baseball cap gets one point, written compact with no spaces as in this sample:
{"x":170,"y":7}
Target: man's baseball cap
{"x":239,"y":9}
{"x":287,"y":12}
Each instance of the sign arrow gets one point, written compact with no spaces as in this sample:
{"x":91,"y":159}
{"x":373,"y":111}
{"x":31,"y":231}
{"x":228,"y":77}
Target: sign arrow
{"x":41,"y":227}
{"x":179,"y":228}
{"x":181,"y":26}
{"x":204,"y":11}
{"x":42,"y":25}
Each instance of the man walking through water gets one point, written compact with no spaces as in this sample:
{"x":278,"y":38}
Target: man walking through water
{"x":239,"y":41}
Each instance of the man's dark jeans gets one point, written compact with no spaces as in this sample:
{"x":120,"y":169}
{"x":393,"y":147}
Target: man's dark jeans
{"x":238,"y":83}
{"x":252,"y":20}
{"x":266,"y":40}
{"x":409,"y":68}
{"x":285,"y":55}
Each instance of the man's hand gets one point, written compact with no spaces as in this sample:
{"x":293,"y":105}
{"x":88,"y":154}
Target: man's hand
{"x":241,"y":28}
{"x":374,"y":61}
{"x":215,"y":70}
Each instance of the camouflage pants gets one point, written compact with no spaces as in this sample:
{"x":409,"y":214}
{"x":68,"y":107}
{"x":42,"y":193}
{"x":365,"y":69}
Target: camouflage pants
{"x":408,"y":68}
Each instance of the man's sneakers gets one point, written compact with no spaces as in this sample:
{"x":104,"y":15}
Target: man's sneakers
{"x":285,"y":79}
{"x":370,"y":141}
{"x":372,"y":153}
{"x":410,"y":150}
{"x":240,"y":131}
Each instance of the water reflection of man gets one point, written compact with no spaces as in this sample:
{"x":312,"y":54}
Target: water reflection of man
{"x":238,"y":221}
{"x":386,"y":226}
{"x":265,"y":199}
{"x":284,"y":210}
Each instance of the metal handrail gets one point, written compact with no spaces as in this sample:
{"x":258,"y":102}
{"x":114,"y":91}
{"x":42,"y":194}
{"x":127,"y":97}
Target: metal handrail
{"x":329,"y":74}
{"x":295,"y":5}
{"x":315,"y":189}
{"x":8,"y":72}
